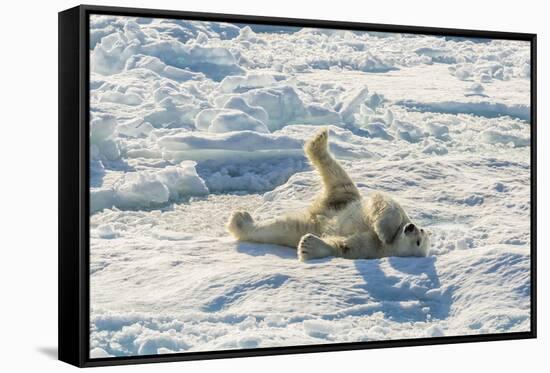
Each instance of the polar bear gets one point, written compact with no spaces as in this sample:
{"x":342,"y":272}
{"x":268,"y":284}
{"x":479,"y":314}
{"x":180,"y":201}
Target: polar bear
{"x":339,"y":222}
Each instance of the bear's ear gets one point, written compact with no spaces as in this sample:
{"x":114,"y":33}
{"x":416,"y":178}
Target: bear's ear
{"x":409,"y":228}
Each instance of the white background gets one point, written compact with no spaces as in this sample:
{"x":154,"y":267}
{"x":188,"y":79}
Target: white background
{"x":28,"y":184}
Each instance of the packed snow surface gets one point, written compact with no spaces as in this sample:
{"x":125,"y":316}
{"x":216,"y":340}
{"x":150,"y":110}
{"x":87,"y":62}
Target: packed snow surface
{"x":192,"y":120}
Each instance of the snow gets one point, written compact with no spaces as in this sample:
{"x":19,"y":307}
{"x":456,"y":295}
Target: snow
{"x":242,"y":83}
{"x":149,"y":188}
{"x":193,"y":120}
{"x":231,"y":121}
{"x":239,"y":103}
{"x":98,"y":353}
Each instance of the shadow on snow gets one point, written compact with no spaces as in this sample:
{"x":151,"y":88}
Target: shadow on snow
{"x":414,"y":294}
{"x":409,"y":297}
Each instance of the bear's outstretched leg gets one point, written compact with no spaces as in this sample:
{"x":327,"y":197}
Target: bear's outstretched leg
{"x":286,"y":230}
{"x":358,"y":246}
{"x":338,"y":188}
{"x":240,"y":224}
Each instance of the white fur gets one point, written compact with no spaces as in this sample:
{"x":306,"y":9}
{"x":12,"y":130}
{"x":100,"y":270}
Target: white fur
{"x":339,"y":222}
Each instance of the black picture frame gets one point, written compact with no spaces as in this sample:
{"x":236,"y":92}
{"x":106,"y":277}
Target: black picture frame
{"x":73,"y":249}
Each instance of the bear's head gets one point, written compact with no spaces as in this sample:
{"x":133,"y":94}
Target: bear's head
{"x":413,"y":241}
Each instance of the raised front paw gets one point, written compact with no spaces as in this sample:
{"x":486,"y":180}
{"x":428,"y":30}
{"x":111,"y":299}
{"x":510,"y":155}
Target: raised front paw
{"x":312,"y":247}
{"x":239,"y":223}
{"x":318,"y":143}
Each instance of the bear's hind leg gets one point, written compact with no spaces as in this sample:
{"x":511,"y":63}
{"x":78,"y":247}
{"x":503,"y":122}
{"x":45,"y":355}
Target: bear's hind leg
{"x":240,"y":224}
{"x":286,"y":230}
{"x":338,"y":188}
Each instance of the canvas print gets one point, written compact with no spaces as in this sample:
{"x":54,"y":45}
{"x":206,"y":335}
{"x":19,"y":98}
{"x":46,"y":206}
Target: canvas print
{"x":258,"y":186}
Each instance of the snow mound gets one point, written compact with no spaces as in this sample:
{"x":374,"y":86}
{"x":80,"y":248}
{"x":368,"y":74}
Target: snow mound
{"x":238,"y":103}
{"x":241,"y":141}
{"x":146,"y":189}
{"x":484,"y":109}
{"x":244,"y":83}
{"x":156,"y":65}
{"x":103,"y":144}
{"x":284,"y":106}
{"x":236,"y":121}
{"x":498,"y":137}
{"x":228,"y":120}
{"x":111,"y":53}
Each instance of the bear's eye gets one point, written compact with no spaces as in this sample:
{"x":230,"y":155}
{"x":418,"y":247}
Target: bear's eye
{"x":418,"y":243}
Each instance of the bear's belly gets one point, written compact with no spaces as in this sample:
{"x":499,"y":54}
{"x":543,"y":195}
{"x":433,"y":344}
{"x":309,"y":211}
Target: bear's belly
{"x":342,"y":225}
